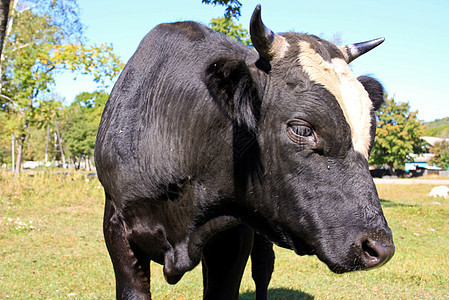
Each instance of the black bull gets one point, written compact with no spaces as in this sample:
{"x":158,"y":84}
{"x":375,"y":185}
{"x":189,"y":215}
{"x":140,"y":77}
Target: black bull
{"x":204,"y":141}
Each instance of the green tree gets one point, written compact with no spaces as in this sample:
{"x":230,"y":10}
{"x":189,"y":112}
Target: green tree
{"x":81,"y":122}
{"x":232,"y":9}
{"x":5,"y":141}
{"x":398,"y":135}
{"x":441,"y":151}
{"x":229,"y":28}
{"x":44,"y":38}
{"x":35,"y":147}
{"x":438,"y":127}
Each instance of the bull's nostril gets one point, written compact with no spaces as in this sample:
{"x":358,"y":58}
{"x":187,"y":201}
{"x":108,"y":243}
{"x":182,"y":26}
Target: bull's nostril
{"x":375,"y":254}
{"x":368,"y":250}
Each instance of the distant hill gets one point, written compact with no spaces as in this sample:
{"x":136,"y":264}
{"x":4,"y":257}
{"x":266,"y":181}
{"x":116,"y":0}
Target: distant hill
{"x":438,"y":127}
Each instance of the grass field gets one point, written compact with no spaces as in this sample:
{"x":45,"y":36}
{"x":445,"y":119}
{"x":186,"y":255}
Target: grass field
{"x":51,"y":247}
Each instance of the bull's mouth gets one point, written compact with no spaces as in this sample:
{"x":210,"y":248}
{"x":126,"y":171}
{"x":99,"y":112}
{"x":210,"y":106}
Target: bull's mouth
{"x":300,"y":246}
{"x":303,"y":250}
{"x":368,"y":252}
{"x":365,"y":255}
{"x":297,"y":244}
{"x":370,"y":248}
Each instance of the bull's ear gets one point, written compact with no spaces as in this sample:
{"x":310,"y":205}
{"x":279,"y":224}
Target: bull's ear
{"x":231,"y":85}
{"x":375,"y":90}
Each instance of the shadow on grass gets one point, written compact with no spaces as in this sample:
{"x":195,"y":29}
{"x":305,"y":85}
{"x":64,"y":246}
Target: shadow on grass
{"x":281,"y":293}
{"x":388,"y":203}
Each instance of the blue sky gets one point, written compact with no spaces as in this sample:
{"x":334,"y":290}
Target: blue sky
{"x":412,"y":63}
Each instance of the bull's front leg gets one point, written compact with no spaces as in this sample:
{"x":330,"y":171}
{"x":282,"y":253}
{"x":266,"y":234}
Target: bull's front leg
{"x":262,"y":265}
{"x":224,"y":260}
{"x":132,"y":269}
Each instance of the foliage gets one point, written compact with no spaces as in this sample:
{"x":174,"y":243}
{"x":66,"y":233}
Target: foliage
{"x":235,"y":31}
{"x":5,"y":142}
{"x":438,"y":128}
{"x":62,"y":14}
{"x":441,"y":151}
{"x":398,"y":135}
{"x":232,"y":7}
{"x":64,"y":256}
{"x":81,"y":123}
{"x":45,"y":38}
{"x":437,"y":122}
{"x":35,"y":146}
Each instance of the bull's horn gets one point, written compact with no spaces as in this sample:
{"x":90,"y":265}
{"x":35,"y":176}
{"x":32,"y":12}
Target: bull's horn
{"x":262,"y":37}
{"x":353,"y":51}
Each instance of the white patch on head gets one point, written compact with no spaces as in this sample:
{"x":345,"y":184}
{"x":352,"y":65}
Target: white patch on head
{"x":279,"y":46}
{"x":343,"y":50}
{"x":337,"y":78}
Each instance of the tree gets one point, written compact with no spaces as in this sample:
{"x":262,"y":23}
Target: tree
{"x":438,"y":128}
{"x":232,"y":7}
{"x":235,"y":31}
{"x":398,"y":135}
{"x":46,"y":39}
{"x":81,"y":122}
{"x":441,"y":151}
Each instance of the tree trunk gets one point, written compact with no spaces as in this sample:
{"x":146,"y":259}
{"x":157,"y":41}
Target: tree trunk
{"x":60,"y":142}
{"x":46,"y":144}
{"x":19,"y":156}
{"x":391,"y":167}
{"x":4,"y":11}
{"x":20,"y":149}
{"x":5,"y":29}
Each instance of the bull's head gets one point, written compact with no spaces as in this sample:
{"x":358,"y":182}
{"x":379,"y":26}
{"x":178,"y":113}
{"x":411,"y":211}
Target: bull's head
{"x":315,"y":126}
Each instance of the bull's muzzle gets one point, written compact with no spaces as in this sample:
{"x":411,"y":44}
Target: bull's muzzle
{"x":375,"y":250}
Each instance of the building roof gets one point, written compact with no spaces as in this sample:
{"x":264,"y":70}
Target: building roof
{"x":432,"y":140}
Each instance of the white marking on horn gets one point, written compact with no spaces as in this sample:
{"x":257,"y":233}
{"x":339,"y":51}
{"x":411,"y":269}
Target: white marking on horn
{"x":337,"y":78}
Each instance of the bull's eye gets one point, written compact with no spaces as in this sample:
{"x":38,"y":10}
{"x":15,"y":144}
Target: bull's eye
{"x":300,"y":132}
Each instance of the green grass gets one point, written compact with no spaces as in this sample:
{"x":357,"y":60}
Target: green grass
{"x":52,"y":247}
